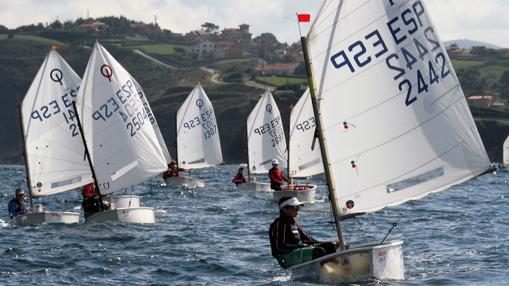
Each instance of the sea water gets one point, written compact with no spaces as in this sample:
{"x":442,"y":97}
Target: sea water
{"x":219,"y":236}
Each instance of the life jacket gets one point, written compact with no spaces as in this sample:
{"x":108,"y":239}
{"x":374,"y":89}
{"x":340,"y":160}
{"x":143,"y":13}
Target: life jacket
{"x":89,"y":191}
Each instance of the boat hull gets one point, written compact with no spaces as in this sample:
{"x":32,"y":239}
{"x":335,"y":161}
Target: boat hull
{"x":184,"y":182}
{"x":140,"y":215}
{"x":124,"y":201}
{"x":363,"y":263}
{"x":304,"y":193}
{"x":38,"y":218}
{"x":254,"y":187}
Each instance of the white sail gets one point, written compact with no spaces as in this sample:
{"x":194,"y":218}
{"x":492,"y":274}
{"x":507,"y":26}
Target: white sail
{"x":396,"y":123}
{"x":265,"y":136}
{"x":305,"y":157}
{"x":506,"y":152}
{"x":198,"y":143}
{"x":122,"y":143}
{"x":54,"y":149}
{"x":153,"y":120}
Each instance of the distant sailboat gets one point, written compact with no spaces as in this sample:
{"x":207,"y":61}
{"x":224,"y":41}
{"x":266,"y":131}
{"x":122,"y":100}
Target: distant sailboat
{"x":265,"y":141}
{"x":304,"y":156}
{"x":198,"y":142}
{"x":53,"y":147}
{"x":120,"y":141}
{"x":506,"y":153}
{"x":393,"y":123}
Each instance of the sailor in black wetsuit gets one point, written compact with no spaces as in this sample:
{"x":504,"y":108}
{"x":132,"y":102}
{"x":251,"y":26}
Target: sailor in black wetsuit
{"x":289,"y":243}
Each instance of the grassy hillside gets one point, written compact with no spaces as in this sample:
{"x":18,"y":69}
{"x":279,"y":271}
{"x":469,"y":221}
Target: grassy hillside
{"x":229,"y":84}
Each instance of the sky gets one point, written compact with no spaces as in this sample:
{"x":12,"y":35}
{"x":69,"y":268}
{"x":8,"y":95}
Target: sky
{"x":481,"y":20}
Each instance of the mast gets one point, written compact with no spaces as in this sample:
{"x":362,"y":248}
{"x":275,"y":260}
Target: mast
{"x":290,"y":185}
{"x":321,"y":138}
{"x":176,"y":139}
{"x":27,"y":168}
{"x":87,"y":153}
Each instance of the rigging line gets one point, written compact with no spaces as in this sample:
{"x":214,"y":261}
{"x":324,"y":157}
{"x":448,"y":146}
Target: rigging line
{"x":399,"y":135}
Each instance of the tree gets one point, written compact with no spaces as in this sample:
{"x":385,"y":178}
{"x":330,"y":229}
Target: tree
{"x":210,"y":27}
{"x":3,"y":29}
{"x":472,"y":82}
{"x":56,"y":25}
{"x":503,"y":83}
{"x":267,"y":40}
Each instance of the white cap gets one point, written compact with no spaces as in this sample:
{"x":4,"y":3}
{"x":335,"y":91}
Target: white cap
{"x":275,"y":162}
{"x":291,"y":202}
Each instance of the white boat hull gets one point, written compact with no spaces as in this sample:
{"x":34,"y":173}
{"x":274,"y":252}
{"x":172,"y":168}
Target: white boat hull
{"x":124,"y":201}
{"x":363,"y":263}
{"x":184,"y":182}
{"x":304,"y":193}
{"x":38,"y":218}
{"x":254,"y":187}
{"x":140,"y":215}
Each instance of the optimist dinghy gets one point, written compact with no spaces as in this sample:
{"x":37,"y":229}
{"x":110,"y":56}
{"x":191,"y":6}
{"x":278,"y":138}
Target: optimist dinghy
{"x":53,"y":148}
{"x":392,"y":120}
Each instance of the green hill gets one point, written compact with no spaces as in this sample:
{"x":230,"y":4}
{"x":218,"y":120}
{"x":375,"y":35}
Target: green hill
{"x":231,"y":84}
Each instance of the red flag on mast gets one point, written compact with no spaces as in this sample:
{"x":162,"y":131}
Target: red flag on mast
{"x":304,"y":18}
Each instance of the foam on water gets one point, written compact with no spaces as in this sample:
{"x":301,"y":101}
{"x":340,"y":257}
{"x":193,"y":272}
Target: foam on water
{"x":219,"y":236}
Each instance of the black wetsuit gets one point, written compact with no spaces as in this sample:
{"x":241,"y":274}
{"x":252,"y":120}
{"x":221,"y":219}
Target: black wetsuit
{"x":286,"y":236}
{"x":91,"y":206}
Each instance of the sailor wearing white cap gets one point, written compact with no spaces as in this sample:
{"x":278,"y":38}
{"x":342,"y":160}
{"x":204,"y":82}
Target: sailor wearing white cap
{"x":290,"y":245}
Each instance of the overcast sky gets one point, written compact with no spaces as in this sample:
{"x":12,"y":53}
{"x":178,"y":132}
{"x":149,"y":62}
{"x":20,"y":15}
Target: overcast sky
{"x":482,"y":20}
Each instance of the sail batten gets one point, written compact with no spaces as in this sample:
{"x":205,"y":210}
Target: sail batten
{"x":54,"y":149}
{"x":121,"y":140}
{"x":397,"y":123}
{"x":198,"y":141}
{"x":265,"y":136}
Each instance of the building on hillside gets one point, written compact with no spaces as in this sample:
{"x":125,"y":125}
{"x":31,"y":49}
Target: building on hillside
{"x":240,"y":36}
{"x":201,"y":48}
{"x":455,"y":50}
{"x":277,"y":68}
{"x":227,"y":49}
{"x":481,"y":101}
{"x":96,"y":26}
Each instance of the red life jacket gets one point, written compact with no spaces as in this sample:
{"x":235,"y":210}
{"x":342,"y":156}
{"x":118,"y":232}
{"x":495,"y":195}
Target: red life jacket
{"x":276,"y":176}
{"x":89,"y":190}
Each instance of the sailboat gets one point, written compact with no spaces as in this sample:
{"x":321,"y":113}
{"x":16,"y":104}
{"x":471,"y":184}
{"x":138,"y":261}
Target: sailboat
{"x":265,"y":141}
{"x":53,"y":148}
{"x":304,"y":156}
{"x":120,"y":142}
{"x":392,"y":119}
{"x":198,"y":142}
{"x":506,"y":153}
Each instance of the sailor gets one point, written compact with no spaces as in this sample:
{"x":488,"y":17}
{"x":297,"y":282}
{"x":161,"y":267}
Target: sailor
{"x":91,"y":203}
{"x":289,"y":243}
{"x":239,"y":178}
{"x":17,"y":205}
{"x":276,"y":176}
{"x":173,"y":170}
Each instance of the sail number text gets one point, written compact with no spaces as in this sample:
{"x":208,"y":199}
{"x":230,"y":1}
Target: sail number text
{"x":273,"y":128}
{"x":419,"y":61}
{"x":206,"y":120}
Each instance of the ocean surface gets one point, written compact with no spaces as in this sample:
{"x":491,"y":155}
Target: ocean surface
{"x":219,"y":236}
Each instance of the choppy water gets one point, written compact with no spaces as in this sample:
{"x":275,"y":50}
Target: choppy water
{"x":219,"y":236}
